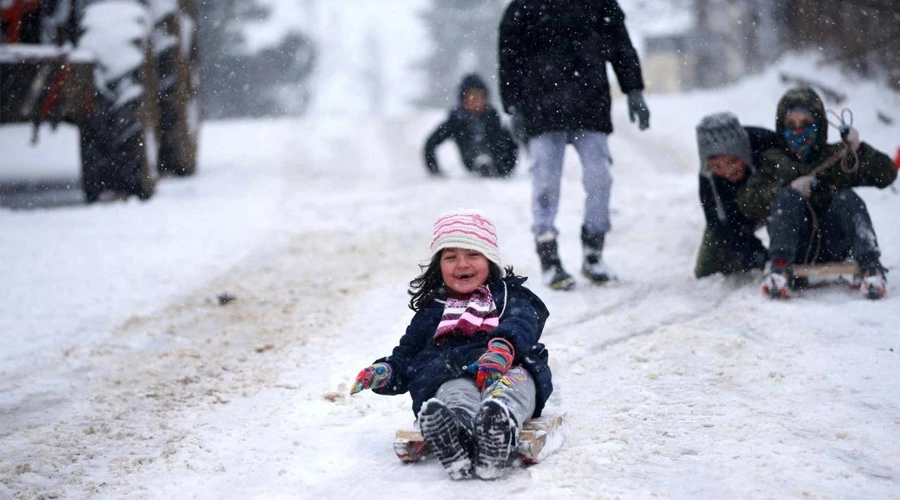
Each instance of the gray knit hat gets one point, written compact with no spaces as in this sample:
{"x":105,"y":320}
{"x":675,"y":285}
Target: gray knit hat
{"x":719,"y":134}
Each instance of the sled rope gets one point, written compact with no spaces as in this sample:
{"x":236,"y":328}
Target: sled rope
{"x":845,"y":119}
{"x":840,"y":121}
{"x":814,"y":236}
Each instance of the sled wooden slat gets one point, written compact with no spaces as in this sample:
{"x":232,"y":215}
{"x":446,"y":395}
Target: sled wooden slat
{"x":829,"y":269}
{"x":411,"y":435}
{"x":409,"y":444}
{"x":534,"y":435}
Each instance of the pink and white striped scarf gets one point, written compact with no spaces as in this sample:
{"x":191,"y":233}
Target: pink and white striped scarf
{"x":466,"y":316}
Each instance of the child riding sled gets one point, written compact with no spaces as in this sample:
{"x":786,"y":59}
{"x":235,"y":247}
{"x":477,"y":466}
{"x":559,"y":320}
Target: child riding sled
{"x":486,"y":147}
{"x":471,"y":357}
{"x":729,"y":154}
{"x":805,"y":190}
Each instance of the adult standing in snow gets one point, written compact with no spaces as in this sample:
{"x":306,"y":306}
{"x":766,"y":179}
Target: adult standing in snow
{"x":553,"y":57}
{"x":485,"y":146}
{"x":729,"y":154}
{"x":813,"y":213}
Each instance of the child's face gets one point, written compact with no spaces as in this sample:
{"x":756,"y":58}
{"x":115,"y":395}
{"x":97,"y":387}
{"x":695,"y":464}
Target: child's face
{"x":464,"y":270}
{"x":730,"y":167}
{"x":474,"y":101}
{"x":798,"y":118}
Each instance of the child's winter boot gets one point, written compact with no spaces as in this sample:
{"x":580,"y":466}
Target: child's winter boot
{"x":873,"y":284}
{"x":777,"y":283}
{"x":593,"y":267}
{"x":552,"y":271}
{"x":452,"y":442}
{"x":496,"y":437}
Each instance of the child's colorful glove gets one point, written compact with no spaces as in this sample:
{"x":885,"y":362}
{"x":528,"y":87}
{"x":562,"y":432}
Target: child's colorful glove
{"x":372,"y":377}
{"x":494,"y":362}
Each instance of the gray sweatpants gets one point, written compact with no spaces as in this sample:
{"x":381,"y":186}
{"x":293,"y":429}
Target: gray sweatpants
{"x":515,"y":390}
{"x":546,"y":152}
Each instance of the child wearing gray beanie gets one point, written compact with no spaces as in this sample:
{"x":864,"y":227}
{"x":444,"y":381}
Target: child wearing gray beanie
{"x":728,"y":155}
{"x":722,"y":134}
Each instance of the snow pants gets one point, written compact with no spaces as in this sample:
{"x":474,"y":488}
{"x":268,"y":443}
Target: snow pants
{"x":516,"y":390}
{"x":718,"y":255}
{"x":547,"y":151}
{"x":841,"y":230}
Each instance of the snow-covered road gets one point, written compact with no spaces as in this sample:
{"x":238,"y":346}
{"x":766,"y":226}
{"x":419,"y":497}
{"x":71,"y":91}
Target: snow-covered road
{"x":121,"y":376}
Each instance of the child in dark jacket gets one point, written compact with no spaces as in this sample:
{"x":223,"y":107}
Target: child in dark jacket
{"x":486,"y":147}
{"x":805,"y":189}
{"x":729,"y":154}
{"x":471,"y":357}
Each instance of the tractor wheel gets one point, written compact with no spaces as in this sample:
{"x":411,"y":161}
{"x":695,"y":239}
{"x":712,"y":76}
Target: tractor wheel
{"x":122,"y":126}
{"x":117,"y":150}
{"x":96,"y":175}
{"x":135,"y":149}
{"x":179,"y":99}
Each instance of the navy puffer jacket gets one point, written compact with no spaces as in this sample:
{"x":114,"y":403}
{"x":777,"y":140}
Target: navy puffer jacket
{"x":420,"y":365}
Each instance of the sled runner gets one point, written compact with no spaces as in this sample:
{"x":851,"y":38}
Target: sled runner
{"x":542,"y":434}
{"x":842,"y":272}
{"x":871,"y":284}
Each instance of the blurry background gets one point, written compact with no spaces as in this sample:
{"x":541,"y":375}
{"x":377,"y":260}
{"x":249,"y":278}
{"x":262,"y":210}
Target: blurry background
{"x":279,"y":57}
{"x":390,"y":58}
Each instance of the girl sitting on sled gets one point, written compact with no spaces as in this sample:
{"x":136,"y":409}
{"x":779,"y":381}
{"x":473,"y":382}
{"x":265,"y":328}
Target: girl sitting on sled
{"x":470,"y":357}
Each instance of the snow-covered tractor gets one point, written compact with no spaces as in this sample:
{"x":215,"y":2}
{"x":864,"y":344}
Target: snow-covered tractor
{"x":125,"y":72}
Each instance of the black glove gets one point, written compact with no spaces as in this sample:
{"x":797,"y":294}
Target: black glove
{"x":517,"y":123}
{"x":637,"y":108}
{"x":753,"y":254}
{"x":755,"y":259}
{"x":431,"y":165}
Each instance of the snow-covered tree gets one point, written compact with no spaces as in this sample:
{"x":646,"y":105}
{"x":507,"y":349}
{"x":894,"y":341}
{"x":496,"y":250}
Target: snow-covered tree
{"x":240,"y":83}
{"x":464,"y":38}
{"x":862,"y":34}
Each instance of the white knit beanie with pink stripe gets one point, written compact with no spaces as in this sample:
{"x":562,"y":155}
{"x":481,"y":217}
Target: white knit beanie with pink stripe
{"x":466,"y":229}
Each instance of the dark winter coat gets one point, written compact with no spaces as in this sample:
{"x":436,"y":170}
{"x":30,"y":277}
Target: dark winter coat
{"x":553,"y":57}
{"x":718,"y":196}
{"x":474,"y":134}
{"x":779,"y":166}
{"x":420,"y":366}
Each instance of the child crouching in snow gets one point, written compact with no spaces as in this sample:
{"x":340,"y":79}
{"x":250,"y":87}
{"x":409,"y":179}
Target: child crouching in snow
{"x":470,"y":357}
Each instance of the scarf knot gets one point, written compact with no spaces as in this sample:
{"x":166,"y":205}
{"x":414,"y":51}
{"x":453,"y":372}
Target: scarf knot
{"x":468,"y":315}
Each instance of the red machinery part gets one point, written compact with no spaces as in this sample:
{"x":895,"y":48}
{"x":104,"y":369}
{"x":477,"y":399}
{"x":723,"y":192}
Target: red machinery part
{"x":13,"y":16}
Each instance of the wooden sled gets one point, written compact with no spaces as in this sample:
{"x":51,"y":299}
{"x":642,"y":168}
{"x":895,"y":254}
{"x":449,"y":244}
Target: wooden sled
{"x":409,"y":445}
{"x":825,"y":270}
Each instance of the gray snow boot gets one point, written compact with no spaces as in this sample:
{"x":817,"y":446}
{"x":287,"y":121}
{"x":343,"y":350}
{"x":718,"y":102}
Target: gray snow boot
{"x":496,"y":437}
{"x":451,"y":441}
{"x":552,"y":272}
{"x":593,"y":267}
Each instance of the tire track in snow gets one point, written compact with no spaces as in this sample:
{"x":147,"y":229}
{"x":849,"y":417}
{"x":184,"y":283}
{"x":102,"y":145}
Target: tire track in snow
{"x":639,"y":296}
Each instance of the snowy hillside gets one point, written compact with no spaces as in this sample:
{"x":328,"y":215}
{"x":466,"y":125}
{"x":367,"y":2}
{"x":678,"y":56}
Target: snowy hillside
{"x":362,"y":44}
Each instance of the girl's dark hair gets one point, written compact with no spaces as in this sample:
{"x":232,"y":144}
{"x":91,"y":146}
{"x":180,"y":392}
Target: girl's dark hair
{"x":430,"y":284}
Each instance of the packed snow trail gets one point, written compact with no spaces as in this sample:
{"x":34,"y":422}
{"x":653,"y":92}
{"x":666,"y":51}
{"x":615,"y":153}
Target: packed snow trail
{"x":671,"y":387}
